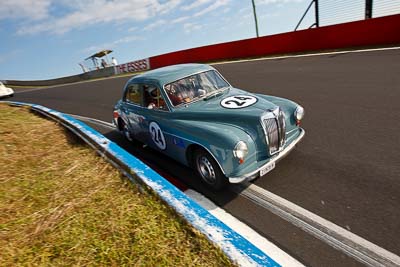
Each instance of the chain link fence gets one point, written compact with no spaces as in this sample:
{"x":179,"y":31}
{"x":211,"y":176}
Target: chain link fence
{"x":382,"y":8}
{"x":331,"y":12}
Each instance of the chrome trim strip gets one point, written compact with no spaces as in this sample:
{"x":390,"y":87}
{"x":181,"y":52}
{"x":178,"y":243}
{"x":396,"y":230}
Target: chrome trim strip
{"x":295,"y":129}
{"x":278,"y":157}
{"x":146,"y":108}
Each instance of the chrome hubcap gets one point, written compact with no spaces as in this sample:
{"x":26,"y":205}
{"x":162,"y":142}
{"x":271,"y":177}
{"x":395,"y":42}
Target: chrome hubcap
{"x":126,"y":133}
{"x":206,"y":170}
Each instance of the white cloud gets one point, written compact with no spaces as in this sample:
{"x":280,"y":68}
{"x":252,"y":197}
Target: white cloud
{"x":215,"y":5}
{"x":195,"y":4}
{"x":247,"y":16}
{"x":270,"y":15}
{"x":181,"y":19}
{"x":162,"y":22}
{"x":226,"y":10}
{"x":128,"y":39}
{"x":244,"y":10}
{"x":61,"y":16}
{"x":85,"y":13}
{"x":132,"y":29}
{"x":267,"y":2}
{"x":32,"y":9}
{"x":155,"y":24}
{"x":190,"y":27}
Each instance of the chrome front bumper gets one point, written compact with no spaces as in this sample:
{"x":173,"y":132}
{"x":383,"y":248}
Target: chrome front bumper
{"x":254,"y":174}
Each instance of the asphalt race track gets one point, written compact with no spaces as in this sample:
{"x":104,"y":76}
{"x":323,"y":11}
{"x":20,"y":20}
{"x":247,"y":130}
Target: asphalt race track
{"x":346,"y":170}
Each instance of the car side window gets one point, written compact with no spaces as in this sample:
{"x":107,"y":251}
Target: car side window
{"x":134,"y":94}
{"x":153,"y":98}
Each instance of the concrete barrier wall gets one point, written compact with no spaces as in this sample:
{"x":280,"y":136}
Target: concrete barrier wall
{"x":100,"y":73}
{"x":372,"y":32}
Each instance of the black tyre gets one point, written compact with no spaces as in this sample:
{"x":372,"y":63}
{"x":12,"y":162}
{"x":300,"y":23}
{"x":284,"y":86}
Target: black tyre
{"x":209,"y":171}
{"x":126,"y":132}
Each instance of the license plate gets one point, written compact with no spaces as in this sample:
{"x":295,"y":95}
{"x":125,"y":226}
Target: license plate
{"x":270,"y":166}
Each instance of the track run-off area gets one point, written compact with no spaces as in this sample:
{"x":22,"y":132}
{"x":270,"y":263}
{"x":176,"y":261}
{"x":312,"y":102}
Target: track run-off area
{"x":344,"y":175}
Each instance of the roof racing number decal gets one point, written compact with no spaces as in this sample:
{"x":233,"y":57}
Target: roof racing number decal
{"x":238,"y":101}
{"x":157,"y":135}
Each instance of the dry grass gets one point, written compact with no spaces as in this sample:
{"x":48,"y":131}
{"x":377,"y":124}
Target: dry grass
{"x":62,"y":205}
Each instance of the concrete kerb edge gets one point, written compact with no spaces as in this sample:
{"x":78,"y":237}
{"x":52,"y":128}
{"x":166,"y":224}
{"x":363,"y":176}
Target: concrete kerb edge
{"x":237,"y":248}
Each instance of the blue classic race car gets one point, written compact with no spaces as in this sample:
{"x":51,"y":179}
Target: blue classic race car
{"x":192,"y":114}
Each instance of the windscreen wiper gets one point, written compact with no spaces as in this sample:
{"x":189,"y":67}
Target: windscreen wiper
{"x":216,"y":94}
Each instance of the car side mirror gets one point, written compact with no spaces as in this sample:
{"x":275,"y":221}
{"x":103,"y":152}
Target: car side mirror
{"x":201,"y":92}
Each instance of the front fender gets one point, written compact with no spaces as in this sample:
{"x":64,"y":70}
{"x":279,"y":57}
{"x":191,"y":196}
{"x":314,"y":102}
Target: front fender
{"x":219,"y":140}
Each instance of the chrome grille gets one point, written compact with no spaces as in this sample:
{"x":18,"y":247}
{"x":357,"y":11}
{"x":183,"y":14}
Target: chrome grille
{"x":275,"y":130}
{"x":272,"y":134}
{"x":282,"y":128}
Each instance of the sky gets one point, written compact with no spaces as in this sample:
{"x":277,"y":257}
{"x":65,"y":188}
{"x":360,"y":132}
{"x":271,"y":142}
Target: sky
{"x":44,"y":39}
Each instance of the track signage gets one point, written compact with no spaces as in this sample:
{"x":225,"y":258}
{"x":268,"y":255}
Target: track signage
{"x":138,"y":65}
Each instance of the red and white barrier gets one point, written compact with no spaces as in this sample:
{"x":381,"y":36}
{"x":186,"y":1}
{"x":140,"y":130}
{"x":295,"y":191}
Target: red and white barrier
{"x":371,"y":32}
{"x":133,"y":66}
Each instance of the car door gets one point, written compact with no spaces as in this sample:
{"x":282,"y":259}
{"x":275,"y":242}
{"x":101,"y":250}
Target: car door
{"x":154,"y":112}
{"x":145,"y":111}
{"x":133,"y":109}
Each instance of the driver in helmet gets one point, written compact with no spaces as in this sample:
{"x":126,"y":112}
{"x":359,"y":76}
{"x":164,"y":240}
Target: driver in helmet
{"x":153,"y":97}
{"x":179,"y":92}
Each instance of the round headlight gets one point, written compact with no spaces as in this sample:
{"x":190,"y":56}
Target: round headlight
{"x":299,"y":113}
{"x":240,"y":151}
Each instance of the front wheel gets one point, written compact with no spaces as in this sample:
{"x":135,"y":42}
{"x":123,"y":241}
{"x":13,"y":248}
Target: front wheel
{"x":209,"y":171}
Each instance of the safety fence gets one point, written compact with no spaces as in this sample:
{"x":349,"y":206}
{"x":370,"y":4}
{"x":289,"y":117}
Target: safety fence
{"x":381,"y":31}
{"x":328,"y":12}
{"x":372,"y":32}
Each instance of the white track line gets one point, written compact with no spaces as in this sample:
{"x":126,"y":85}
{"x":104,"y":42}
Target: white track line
{"x":252,"y":236}
{"x":44,"y":87}
{"x":309,"y":55}
{"x":32,"y":90}
{"x":336,"y":236}
{"x":94,"y":121}
{"x":230,"y":62}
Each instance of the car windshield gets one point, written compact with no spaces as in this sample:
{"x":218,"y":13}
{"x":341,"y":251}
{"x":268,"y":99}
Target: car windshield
{"x":195,"y":87}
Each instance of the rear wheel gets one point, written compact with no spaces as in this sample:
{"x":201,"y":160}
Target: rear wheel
{"x":209,"y":171}
{"x":126,"y":132}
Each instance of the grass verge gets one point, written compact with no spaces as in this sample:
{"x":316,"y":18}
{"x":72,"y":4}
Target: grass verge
{"x":62,"y":205}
